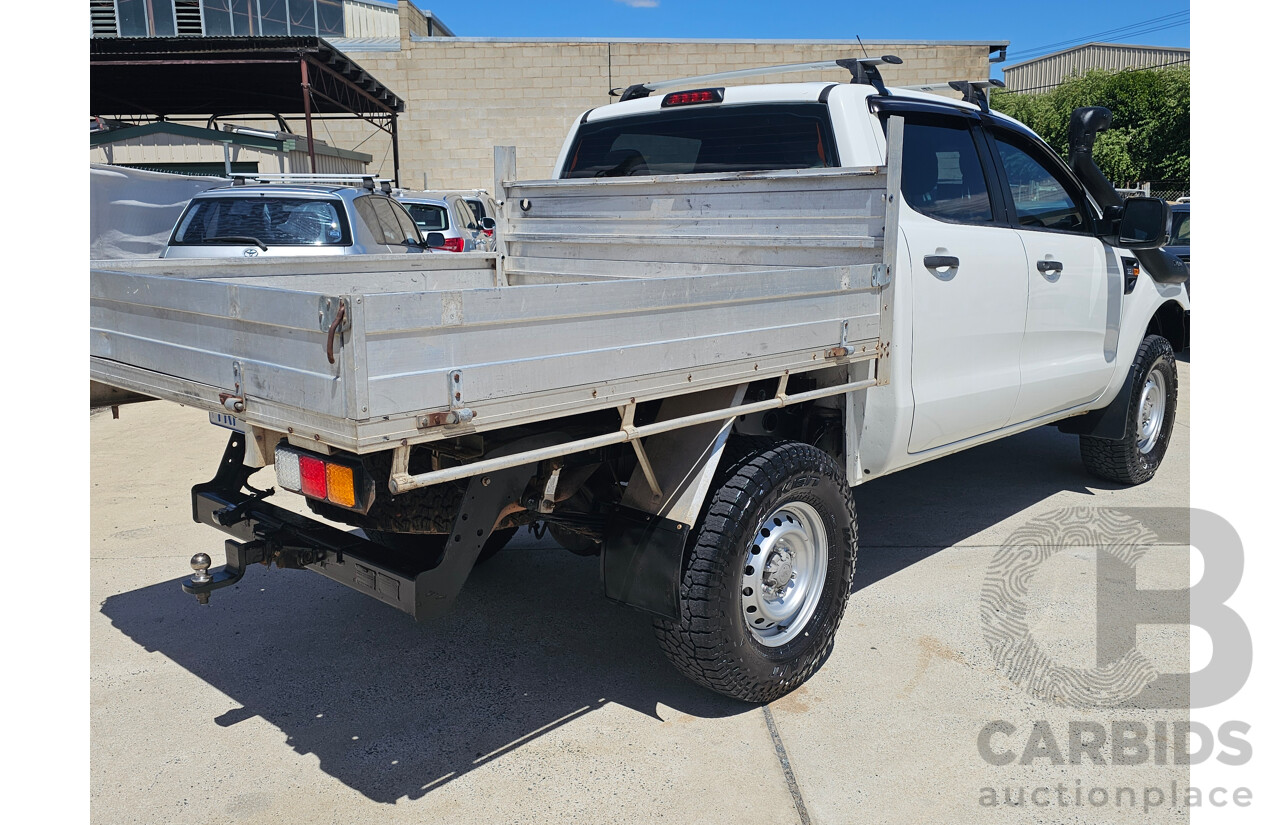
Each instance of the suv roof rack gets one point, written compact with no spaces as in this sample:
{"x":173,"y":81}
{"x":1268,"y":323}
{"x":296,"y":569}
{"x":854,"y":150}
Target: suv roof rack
{"x":862,"y":69}
{"x":370,"y":182}
{"x":974,"y":91}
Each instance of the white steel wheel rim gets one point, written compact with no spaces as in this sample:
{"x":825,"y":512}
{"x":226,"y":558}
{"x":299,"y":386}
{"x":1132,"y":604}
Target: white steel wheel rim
{"x":784,"y":574}
{"x":1151,"y":411}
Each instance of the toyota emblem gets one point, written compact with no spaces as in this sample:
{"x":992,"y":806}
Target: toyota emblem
{"x":250,"y":252}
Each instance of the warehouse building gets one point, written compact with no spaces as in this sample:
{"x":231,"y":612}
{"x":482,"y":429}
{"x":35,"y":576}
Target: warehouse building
{"x":1048,"y":72}
{"x":465,"y":95}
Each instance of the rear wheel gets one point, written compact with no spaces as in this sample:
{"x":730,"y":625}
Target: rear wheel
{"x":766,"y":582}
{"x":1135,"y":458}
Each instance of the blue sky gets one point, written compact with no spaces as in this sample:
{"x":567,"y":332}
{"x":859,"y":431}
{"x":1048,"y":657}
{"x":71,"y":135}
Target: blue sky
{"x":1029,"y":26}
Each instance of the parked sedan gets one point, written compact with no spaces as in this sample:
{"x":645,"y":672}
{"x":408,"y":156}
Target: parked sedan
{"x":288,"y":219}
{"x":450,"y":214}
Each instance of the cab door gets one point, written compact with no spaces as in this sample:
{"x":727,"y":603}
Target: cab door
{"x":968,"y":283}
{"x":1074,"y":286}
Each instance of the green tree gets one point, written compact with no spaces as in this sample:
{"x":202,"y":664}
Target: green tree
{"x":1150,"y":135}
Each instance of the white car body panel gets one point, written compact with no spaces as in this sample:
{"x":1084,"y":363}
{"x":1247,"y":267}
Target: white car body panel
{"x":971,"y":362}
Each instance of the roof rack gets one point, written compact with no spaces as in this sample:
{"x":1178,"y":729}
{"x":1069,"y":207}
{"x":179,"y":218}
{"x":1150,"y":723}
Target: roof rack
{"x":862,"y":69}
{"x":974,"y":91}
{"x":370,"y":182}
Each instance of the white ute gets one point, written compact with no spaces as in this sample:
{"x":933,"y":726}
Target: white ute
{"x":733,"y":306}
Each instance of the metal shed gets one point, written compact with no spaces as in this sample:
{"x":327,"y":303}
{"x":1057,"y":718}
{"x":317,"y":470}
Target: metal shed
{"x":1046,"y":72}
{"x":192,"y":78}
{"x":194,"y":150}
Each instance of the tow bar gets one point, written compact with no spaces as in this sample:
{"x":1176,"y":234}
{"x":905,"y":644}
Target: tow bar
{"x":263,"y":533}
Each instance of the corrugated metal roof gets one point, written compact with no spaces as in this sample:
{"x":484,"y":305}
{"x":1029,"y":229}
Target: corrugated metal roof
{"x":1084,"y":46}
{"x":214,"y":75}
{"x":365,"y":44}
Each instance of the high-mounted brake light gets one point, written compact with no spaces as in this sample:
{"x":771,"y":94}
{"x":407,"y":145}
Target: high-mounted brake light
{"x":340,"y":481}
{"x":693,"y":97}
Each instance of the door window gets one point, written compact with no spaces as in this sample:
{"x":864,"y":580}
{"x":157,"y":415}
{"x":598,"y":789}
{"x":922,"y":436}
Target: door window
{"x":941,"y":172}
{"x":392,"y":233}
{"x":1043,"y":197}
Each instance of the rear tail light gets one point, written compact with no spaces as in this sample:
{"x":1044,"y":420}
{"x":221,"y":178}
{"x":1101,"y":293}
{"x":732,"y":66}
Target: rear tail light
{"x":326,"y":478}
{"x":452,"y":245}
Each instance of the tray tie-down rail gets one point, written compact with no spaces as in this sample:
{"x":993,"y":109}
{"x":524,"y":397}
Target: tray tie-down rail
{"x":401,"y":481}
{"x":263,"y":533}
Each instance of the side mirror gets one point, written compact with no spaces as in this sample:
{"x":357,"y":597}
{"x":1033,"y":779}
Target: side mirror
{"x":435,"y":240}
{"x":488,"y":224}
{"x":1142,"y":223}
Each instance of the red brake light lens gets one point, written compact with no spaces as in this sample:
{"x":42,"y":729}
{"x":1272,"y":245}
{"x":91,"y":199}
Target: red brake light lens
{"x":693,"y":97}
{"x":452,"y":245}
{"x":314,"y":483}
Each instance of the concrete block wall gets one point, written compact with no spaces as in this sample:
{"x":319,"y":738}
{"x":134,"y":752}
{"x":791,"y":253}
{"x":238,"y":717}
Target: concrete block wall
{"x":466,"y":95}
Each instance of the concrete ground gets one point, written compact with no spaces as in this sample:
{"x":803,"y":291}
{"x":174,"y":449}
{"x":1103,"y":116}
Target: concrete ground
{"x":293,"y":699}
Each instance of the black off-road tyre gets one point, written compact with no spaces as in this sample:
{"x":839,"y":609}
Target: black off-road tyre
{"x":711,"y":643}
{"x":1123,"y":461}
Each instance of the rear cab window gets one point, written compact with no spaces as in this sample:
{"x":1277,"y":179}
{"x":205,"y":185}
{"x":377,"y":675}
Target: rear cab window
{"x":271,"y":220}
{"x":740,"y":138}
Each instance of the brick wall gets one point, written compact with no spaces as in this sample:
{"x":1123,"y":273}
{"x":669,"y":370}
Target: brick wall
{"x":464,"y":96}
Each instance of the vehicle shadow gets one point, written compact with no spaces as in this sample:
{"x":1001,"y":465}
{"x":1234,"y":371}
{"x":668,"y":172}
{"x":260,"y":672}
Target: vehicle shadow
{"x":394,"y":709}
{"x":908,"y":516}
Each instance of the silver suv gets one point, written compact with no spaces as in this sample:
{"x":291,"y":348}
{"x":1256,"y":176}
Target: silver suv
{"x":293,"y":219}
{"x":452,"y":215}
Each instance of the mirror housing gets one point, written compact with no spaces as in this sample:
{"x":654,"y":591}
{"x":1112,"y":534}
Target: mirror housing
{"x":1139,"y":223}
{"x":488,"y":224}
{"x":435,"y":240}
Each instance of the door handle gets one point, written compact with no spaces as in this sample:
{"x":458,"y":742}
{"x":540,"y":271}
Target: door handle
{"x":1049,"y":266}
{"x":940,"y":261}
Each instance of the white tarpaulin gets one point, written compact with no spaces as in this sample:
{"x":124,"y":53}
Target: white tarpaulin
{"x":132,"y":211}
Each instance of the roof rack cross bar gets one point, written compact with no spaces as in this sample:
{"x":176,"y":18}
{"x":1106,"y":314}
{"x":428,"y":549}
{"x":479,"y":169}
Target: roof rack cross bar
{"x":974,"y":91}
{"x":862,"y":69}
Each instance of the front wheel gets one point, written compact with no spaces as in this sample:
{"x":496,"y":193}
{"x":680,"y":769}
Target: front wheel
{"x":1135,"y":458}
{"x":766,"y":582}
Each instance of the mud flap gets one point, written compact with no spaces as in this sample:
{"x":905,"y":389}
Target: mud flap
{"x":642,"y":561}
{"x":1112,"y":421}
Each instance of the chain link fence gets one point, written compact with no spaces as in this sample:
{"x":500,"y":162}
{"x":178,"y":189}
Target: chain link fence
{"x":1168,"y":190}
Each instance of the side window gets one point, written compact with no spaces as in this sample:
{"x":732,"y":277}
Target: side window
{"x":369,"y":216}
{"x":408,"y":229}
{"x":466,"y":216}
{"x":941,"y":171}
{"x":392,"y":234}
{"x":1042,"y":196}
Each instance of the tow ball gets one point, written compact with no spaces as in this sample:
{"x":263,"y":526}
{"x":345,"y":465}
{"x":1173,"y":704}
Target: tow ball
{"x":239,"y":556}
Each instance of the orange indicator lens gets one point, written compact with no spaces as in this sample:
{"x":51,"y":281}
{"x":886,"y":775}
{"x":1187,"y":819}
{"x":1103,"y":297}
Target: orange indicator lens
{"x":342,"y":485}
